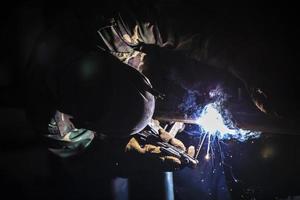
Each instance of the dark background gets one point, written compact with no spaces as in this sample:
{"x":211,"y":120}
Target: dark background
{"x":261,"y":39}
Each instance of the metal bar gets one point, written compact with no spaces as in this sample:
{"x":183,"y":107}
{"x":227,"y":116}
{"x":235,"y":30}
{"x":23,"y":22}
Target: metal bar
{"x":247,"y":121}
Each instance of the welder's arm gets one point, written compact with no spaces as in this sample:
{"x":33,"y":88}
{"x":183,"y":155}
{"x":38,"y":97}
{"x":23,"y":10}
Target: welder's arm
{"x":65,"y":139}
{"x":149,"y":156}
{"x":258,"y":95}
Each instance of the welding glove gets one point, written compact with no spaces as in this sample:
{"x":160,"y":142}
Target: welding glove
{"x":149,"y":156}
{"x":262,"y":101}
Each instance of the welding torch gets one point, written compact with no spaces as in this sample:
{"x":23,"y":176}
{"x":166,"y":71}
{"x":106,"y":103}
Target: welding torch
{"x":151,"y":135}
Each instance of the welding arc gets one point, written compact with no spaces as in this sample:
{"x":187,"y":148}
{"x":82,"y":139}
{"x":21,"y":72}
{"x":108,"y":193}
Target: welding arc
{"x":201,"y":141}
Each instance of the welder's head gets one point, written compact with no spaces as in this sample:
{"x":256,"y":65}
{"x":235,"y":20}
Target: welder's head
{"x":106,"y":96}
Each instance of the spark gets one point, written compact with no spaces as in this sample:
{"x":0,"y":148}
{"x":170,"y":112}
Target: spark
{"x":207,"y":156}
{"x":215,"y":126}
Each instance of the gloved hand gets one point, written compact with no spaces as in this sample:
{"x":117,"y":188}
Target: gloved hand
{"x":149,"y":156}
{"x":262,"y":101}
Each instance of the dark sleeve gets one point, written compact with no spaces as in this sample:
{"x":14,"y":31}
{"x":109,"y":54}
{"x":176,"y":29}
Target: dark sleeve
{"x":127,"y":33}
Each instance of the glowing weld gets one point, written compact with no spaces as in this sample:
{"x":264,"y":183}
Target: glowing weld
{"x":214,"y":125}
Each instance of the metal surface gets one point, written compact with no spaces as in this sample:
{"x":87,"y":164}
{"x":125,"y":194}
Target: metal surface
{"x":247,"y":121}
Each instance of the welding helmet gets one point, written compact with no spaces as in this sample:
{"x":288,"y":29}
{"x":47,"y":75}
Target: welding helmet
{"x":106,"y":96}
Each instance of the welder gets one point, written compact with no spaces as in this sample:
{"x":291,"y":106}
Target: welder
{"x":81,"y":88}
{"x":79,"y":93}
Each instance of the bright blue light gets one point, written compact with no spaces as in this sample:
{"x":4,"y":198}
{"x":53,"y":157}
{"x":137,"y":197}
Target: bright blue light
{"x":213,"y":123}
